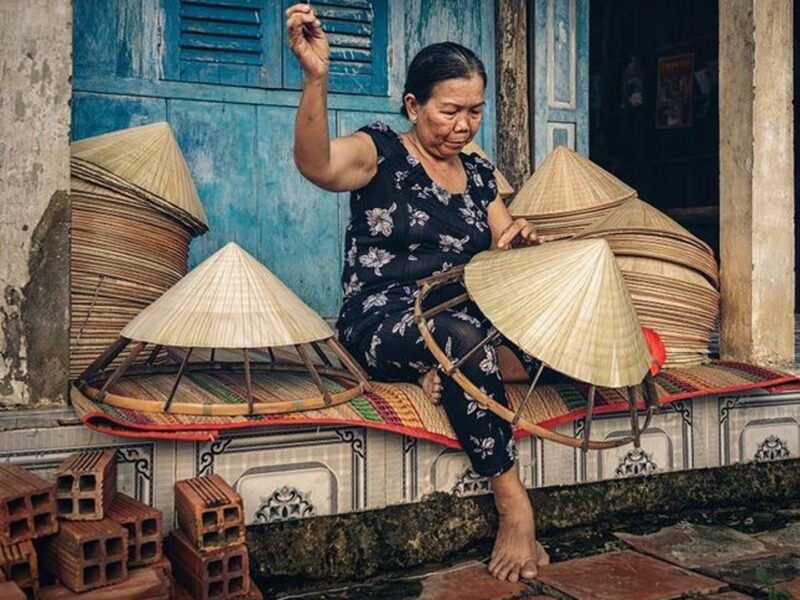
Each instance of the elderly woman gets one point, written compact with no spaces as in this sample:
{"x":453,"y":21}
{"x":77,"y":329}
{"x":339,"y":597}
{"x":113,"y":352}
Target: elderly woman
{"x":420,"y":206}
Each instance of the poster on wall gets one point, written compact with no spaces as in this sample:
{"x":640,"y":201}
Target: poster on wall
{"x":674,"y":91}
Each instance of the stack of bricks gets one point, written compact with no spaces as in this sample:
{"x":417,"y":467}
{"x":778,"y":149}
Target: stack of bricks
{"x":27,"y":512}
{"x":103,"y":535}
{"x":208,"y":553}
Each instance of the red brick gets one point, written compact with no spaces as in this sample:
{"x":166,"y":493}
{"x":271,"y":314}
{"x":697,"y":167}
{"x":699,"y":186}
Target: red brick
{"x":143,"y":524}
{"x":210,"y":512}
{"x":86,"y":484}
{"x":27,"y":505}
{"x":11,"y":591}
{"x":216,"y":574}
{"x":623,"y":576}
{"x":19,"y":565}
{"x":181,"y":593}
{"x":147,"y":583}
{"x":87,"y":554}
{"x":451,"y":584}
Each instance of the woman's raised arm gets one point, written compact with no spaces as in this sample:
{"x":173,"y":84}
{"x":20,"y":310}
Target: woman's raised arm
{"x":338,"y":165}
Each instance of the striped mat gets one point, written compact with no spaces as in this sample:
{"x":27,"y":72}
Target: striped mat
{"x":398,"y":407}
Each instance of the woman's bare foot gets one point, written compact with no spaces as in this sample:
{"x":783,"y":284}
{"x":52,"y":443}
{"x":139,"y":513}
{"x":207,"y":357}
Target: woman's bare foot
{"x":516,"y":552}
{"x":432,"y":385}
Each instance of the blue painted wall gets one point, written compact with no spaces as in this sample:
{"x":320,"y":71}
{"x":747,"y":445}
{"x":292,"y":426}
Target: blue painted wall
{"x":237,"y":135}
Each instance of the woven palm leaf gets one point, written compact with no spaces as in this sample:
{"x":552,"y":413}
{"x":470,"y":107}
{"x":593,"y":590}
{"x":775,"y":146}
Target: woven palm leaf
{"x":503,"y":186}
{"x":566,"y":304}
{"x":230,"y":300}
{"x":676,"y":301}
{"x":567,"y":182}
{"x":636,"y":215}
{"x":662,"y":269}
{"x":146,"y":157}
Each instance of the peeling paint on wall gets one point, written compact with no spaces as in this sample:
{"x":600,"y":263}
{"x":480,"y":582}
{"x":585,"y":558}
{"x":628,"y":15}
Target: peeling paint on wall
{"x":36,"y":66}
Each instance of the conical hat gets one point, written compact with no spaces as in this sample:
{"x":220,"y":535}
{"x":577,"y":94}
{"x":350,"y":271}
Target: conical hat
{"x":566,"y":304}
{"x":503,"y":186}
{"x":636,"y":215}
{"x":568,"y":182}
{"x":147,"y":157}
{"x":663,"y":269}
{"x":230,"y":300}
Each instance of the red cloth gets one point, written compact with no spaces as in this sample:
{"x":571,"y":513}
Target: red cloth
{"x":658,"y":353}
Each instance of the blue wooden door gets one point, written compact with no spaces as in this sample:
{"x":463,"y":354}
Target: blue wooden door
{"x":220,"y":72}
{"x":560,"y":52}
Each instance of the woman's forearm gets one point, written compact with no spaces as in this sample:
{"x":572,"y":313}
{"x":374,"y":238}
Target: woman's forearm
{"x":311,"y":141}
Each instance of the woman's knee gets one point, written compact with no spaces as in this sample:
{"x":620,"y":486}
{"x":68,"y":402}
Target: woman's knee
{"x":458,"y":333}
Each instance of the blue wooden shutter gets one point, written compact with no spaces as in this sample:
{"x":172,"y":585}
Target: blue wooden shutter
{"x":228,"y":42}
{"x":358,"y":32}
{"x":560,"y":51}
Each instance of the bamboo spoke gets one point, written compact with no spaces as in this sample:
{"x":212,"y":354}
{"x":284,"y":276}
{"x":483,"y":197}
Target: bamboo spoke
{"x":184,"y":362}
{"x":349,"y":363}
{"x":587,"y":430}
{"x":102,"y":361}
{"x":153,"y":355}
{"x":444,"y":306}
{"x":248,"y":381}
{"x":322,"y":356}
{"x":522,"y":404}
{"x":326,"y":395}
{"x":135,"y":350}
{"x":457,"y":365}
{"x":650,"y":392}
{"x":634,"y":417}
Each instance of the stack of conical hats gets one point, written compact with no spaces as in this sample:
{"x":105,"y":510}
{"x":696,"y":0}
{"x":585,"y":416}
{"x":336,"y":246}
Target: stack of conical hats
{"x":672,"y":277}
{"x":229,"y":302}
{"x":503,"y":186}
{"x":568,"y":193}
{"x":134,"y":211}
{"x":566,"y":304}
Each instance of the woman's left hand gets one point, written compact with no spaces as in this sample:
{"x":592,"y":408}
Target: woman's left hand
{"x":518,"y":233}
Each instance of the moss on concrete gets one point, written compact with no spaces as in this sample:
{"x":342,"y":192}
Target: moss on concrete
{"x":359,"y":545}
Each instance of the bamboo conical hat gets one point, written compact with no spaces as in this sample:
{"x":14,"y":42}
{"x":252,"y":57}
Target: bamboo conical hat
{"x":149,"y":158}
{"x":566,"y":304}
{"x":568,"y":182}
{"x":663,"y":269}
{"x":230,"y":300}
{"x":503,"y":186}
{"x":636,"y":215}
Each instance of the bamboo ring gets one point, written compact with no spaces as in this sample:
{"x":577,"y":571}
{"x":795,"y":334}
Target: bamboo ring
{"x":452,"y":369}
{"x":97,"y":380}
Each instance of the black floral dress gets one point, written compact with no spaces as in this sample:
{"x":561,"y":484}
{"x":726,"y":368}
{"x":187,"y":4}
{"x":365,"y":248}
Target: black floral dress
{"x":404,"y":227}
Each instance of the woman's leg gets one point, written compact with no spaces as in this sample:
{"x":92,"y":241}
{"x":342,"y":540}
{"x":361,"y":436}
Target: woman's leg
{"x":395,"y":351}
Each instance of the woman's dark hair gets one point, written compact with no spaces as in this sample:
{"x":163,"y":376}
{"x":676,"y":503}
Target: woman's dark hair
{"x":435,"y":63}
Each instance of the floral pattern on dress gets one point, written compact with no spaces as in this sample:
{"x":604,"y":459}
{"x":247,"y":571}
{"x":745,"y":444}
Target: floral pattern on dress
{"x":404,"y":227}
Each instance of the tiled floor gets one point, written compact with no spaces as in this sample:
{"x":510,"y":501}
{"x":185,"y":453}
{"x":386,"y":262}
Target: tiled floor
{"x":682,"y":561}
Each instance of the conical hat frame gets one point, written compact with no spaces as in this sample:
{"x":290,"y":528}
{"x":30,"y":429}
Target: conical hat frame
{"x":452,"y":368}
{"x":97,"y":379}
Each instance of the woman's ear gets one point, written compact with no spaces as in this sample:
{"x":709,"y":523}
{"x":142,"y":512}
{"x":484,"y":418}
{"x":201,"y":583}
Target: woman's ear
{"x":412,"y":107}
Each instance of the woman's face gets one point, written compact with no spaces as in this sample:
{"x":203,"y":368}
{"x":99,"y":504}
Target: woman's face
{"x":451,"y":116}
